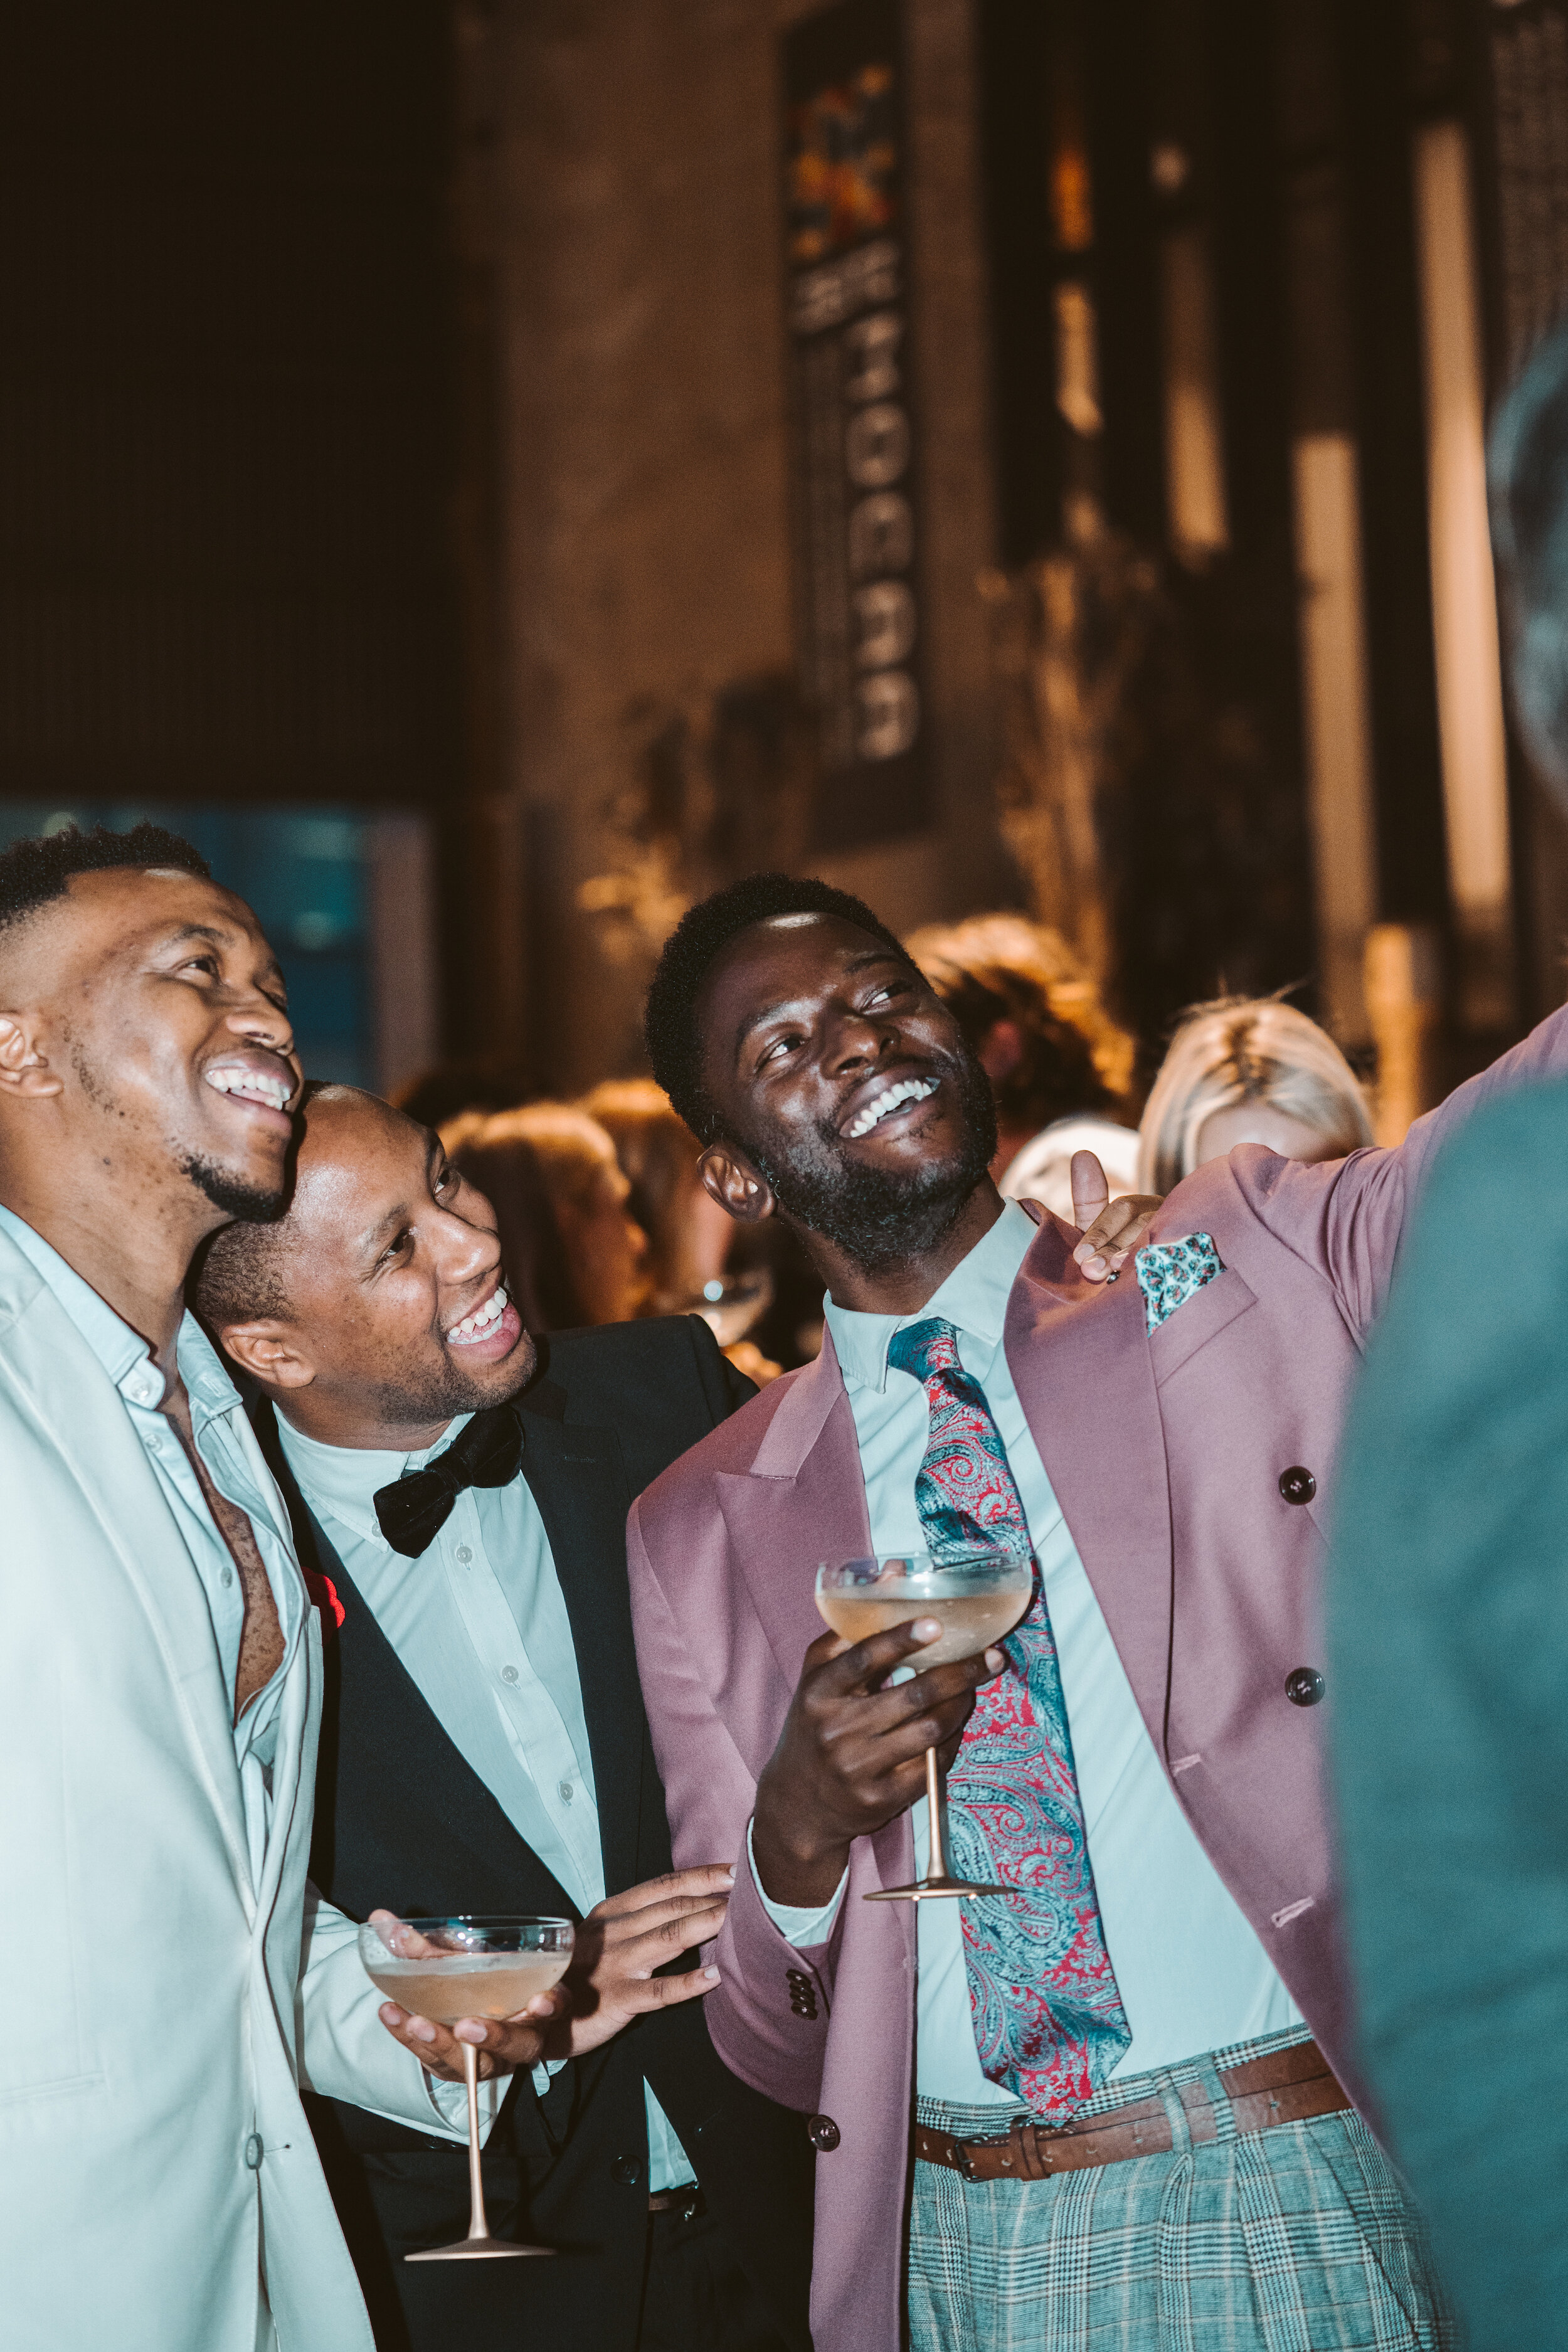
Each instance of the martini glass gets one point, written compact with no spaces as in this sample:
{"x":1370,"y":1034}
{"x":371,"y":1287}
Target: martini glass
{"x":976,"y":1597}
{"x":451,"y":1969}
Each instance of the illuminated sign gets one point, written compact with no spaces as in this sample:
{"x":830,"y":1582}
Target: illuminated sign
{"x":856,"y":514}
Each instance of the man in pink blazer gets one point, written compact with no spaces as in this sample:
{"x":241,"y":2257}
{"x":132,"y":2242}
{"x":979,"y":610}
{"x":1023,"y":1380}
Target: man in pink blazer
{"x":1146,"y":2143}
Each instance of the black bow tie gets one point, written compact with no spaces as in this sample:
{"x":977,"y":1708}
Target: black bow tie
{"x":414,"y":1508}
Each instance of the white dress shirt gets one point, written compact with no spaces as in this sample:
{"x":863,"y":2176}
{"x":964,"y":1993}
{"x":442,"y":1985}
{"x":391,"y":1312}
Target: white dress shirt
{"x":479,"y":1622}
{"x":1192,"y":1972}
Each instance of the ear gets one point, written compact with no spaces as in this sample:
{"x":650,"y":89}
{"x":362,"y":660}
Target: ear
{"x":730,"y":1177}
{"x":24,"y":1065}
{"x":1000,"y":1050}
{"x":269,"y":1352}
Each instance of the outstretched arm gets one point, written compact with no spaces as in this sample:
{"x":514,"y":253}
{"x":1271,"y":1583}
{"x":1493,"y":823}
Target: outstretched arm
{"x":1349,"y":1215}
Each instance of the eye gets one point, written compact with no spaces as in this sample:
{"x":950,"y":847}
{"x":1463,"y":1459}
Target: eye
{"x":448,"y":1181}
{"x":396,"y":1248}
{"x":780,"y":1046}
{"x":206,"y":963}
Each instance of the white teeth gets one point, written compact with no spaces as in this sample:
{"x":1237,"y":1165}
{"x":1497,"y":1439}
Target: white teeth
{"x":475,"y":1326}
{"x":893,"y":1099}
{"x":252,"y":1086}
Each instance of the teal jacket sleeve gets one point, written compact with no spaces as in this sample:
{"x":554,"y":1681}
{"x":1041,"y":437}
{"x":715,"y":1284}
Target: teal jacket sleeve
{"x":1449,"y":1647}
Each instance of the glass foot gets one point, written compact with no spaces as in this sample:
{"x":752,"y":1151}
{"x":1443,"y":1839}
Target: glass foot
{"x":930,"y":1889}
{"x":476,"y":2249}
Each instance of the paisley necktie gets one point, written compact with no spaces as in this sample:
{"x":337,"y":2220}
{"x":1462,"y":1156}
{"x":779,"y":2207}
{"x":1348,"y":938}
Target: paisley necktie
{"x":1049,"y":2019}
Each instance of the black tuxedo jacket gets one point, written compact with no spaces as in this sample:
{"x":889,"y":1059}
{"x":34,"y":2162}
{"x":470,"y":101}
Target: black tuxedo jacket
{"x":403,"y":1821}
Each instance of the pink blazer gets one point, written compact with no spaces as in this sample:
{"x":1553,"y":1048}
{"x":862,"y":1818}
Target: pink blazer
{"x":1166,"y":1454}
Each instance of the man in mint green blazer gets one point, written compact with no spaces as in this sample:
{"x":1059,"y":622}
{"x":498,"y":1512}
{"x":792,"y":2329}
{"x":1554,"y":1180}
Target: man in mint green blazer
{"x":1449,"y":1603}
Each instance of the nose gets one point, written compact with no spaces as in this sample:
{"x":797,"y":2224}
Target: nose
{"x":465,"y":1252}
{"x":857,"y":1040}
{"x":262,"y":1023}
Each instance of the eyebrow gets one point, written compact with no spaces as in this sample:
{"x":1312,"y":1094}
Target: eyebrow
{"x":776,"y":1011}
{"x":220,"y":939}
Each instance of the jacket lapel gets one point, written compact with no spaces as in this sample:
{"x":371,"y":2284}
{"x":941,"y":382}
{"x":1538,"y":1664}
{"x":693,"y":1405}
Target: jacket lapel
{"x":802,"y":1502}
{"x":1079,"y":1353}
{"x":60,"y":1385}
{"x":374,"y":1703}
{"x":576,"y":1475}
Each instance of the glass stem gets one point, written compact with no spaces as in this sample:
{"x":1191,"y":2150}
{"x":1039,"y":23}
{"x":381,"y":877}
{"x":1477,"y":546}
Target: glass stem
{"x":936,"y":1868}
{"x":477,"y":2225}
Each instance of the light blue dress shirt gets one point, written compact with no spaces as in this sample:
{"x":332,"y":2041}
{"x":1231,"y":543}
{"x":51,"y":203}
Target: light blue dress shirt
{"x":1192,"y":1972}
{"x":234,"y":1462}
{"x":479,"y":1622}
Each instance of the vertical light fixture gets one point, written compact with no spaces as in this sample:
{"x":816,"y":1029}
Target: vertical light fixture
{"x":1337,"y":714}
{"x":1194,"y":461}
{"x":1463,"y":594}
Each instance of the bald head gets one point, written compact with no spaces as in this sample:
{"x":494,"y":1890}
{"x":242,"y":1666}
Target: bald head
{"x":374,"y":1309}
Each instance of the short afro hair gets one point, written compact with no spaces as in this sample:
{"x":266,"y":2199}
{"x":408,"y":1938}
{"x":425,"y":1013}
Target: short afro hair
{"x":39,"y":869}
{"x":675,"y":1048}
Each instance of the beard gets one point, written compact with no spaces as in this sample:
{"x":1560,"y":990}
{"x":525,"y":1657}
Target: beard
{"x":247,"y":1205}
{"x":446,"y":1390}
{"x":879,"y":1217}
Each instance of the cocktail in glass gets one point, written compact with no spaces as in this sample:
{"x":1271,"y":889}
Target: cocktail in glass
{"x":976,"y":1597}
{"x":446,"y":1969}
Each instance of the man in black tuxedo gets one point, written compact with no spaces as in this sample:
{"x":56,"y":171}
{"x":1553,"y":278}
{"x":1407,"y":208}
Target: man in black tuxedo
{"x":460,"y":1498}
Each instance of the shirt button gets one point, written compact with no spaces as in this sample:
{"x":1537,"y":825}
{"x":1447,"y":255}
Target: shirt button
{"x":566,"y":1791}
{"x":462,"y":1555}
{"x":143,"y":1386}
{"x":509,"y":1673}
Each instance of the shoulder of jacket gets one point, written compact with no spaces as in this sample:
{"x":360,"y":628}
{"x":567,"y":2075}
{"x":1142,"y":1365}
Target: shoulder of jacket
{"x":730,"y":1447}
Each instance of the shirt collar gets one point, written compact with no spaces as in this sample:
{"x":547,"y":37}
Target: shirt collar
{"x":344,"y":1480}
{"x":974,"y":1298}
{"x":123,"y":1353}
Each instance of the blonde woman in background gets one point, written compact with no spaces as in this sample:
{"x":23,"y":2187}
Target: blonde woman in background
{"x":603,"y":1250}
{"x":1248,"y":1070}
{"x":689,"y":1236}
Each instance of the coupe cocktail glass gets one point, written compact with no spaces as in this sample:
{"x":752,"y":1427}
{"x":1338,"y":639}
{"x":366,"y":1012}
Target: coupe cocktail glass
{"x":976,"y":1597}
{"x":446,"y":1969}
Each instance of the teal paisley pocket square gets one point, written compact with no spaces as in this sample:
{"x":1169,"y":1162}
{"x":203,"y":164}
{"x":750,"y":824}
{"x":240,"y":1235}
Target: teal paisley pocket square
{"x":1170,"y":1272}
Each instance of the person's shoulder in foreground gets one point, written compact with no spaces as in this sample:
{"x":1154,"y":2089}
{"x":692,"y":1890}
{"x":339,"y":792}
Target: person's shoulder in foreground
{"x":662,"y":1384}
{"x":1449,"y":1655}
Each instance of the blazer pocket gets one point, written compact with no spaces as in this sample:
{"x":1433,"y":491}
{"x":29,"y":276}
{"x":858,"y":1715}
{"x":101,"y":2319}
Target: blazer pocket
{"x":1198,"y":1320}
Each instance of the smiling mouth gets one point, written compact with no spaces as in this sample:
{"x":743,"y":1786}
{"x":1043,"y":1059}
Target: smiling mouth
{"x":883,"y":1106}
{"x":274,"y":1093}
{"x":482,"y":1322}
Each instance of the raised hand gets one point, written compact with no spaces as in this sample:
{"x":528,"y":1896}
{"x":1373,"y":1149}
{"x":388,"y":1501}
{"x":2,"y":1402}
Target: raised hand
{"x":626,"y":1937}
{"x":851,"y":1755}
{"x":1111,"y":1229}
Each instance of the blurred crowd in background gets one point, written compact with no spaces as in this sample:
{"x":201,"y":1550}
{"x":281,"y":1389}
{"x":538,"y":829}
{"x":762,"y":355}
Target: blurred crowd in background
{"x":603,"y":1216}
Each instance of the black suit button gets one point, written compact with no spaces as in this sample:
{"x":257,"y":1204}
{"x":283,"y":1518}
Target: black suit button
{"x":823,"y":2133}
{"x":1298,"y":1484}
{"x":628,"y":2170}
{"x":1304,"y":1686}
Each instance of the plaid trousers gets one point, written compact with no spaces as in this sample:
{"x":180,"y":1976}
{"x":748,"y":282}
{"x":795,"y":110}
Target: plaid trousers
{"x":1298,"y":2239}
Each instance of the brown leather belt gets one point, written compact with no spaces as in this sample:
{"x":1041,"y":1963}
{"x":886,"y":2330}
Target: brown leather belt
{"x":1287,"y":2087}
